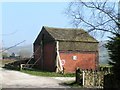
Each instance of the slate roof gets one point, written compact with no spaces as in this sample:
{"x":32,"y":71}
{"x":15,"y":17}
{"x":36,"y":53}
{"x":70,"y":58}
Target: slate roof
{"x":69,"y":38}
{"x":69,"y":34}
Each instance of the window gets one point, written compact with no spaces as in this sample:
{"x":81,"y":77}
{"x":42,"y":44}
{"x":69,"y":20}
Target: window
{"x":74,"y":57}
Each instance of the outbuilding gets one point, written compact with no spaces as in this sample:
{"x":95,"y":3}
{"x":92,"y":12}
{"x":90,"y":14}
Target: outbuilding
{"x":65,"y":49}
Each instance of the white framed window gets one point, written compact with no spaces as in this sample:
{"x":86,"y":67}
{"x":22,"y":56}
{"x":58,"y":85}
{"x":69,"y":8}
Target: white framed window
{"x":74,"y":57}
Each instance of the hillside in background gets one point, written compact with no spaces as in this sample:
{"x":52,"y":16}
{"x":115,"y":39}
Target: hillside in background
{"x":24,"y":51}
{"x":27,"y":51}
{"x":103,"y":53}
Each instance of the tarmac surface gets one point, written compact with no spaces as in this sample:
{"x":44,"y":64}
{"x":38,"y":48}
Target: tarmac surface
{"x":16,"y":79}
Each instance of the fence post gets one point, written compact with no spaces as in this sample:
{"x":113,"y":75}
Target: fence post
{"x":83,"y":78}
{"x":78,"y":76}
{"x":93,"y":75}
{"x":21,"y":66}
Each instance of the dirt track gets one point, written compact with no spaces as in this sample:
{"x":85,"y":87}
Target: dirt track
{"x":16,"y":79}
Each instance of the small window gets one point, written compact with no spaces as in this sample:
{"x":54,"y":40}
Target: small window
{"x":74,"y":57}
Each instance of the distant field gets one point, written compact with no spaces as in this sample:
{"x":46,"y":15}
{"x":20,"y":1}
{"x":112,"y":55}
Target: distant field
{"x":5,"y":61}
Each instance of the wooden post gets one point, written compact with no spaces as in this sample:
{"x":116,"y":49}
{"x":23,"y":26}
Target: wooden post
{"x":93,"y":78}
{"x":78,"y":76}
{"x":83,"y":78}
{"x":21,"y":66}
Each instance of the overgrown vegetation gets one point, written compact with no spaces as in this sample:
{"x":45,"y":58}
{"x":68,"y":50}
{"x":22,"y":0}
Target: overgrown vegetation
{"x":47,"y":74}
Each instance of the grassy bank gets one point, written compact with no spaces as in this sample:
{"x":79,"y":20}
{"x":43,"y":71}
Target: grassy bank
{"x":37,"y":72}
{"x":6,"y":61}
{"x":47,"y":74}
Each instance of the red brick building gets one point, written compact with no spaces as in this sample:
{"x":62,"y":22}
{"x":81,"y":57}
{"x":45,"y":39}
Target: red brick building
{"x":58,"y":48}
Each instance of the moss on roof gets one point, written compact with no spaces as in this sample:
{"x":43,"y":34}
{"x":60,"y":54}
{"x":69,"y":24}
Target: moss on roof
{"x":69,"y":39}
{"x":69,"y":34}
{"x":81,"y":46}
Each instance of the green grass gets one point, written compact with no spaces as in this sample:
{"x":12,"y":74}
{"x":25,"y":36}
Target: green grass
{"x":105,"y":65}
{"x":73,"y":84}
{"x":38,"y":72}
{"x":47,"y":74}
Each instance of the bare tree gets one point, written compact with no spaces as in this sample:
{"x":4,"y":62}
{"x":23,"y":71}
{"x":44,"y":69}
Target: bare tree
{"x":95,"y":16}
{"x":100,"y":17}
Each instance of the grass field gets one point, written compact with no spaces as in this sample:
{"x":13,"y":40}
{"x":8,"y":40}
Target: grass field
{"x":47,"y":74}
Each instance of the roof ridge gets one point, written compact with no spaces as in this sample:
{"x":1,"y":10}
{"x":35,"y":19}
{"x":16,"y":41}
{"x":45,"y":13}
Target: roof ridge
{"x":69,"y":34}
{"x":68,"y":28}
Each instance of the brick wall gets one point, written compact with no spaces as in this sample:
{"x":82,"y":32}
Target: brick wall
{"x":37,"y":54}
{"x":47,"y":60}
{"x":49,"y":56}
{"x":72,"y":60}
{"x":37,"y":51}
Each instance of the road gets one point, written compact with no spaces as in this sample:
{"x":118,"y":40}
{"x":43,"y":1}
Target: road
{"x":16,"y":79}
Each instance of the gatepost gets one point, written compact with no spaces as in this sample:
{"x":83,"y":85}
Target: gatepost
{"x":79,"y":76}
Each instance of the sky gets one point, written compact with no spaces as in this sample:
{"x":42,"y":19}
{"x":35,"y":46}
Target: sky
{"x":23,"y":20}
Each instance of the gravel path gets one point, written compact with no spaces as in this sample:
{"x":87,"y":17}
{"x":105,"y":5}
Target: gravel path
{"x":16,"y":79}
